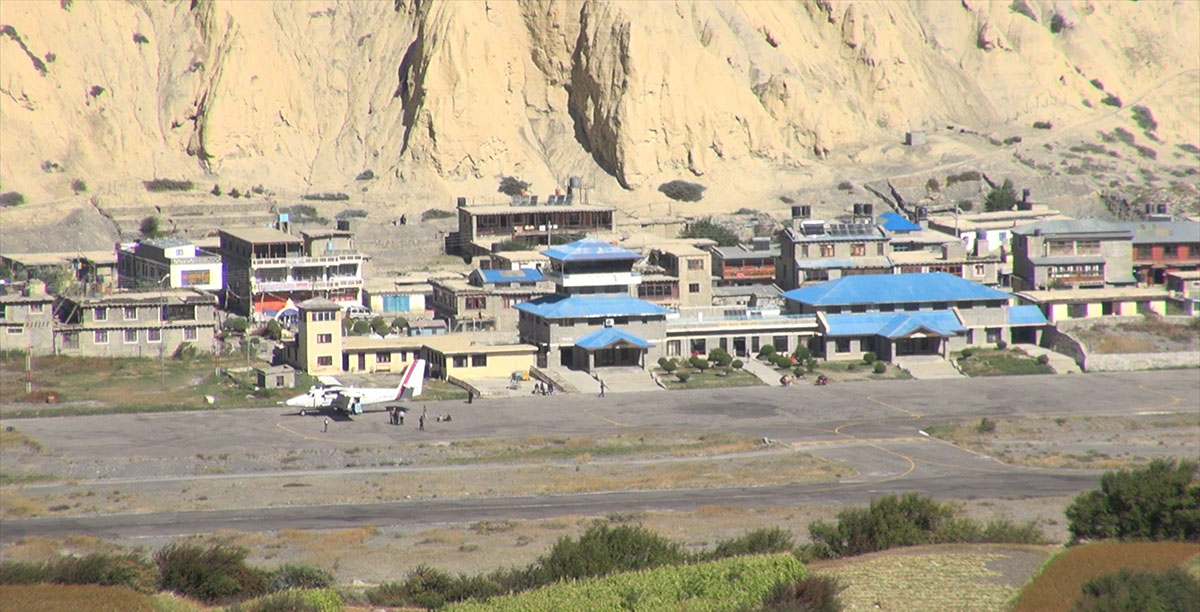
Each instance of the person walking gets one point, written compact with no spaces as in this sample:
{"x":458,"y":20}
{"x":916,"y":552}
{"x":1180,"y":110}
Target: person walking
{"x":326,"y":430}
{"x":602,"y":387}
{"x":421,"y":423}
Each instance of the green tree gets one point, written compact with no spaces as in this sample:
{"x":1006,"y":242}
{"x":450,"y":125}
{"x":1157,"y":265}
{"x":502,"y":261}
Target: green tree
{"x":150,"y":227}
{"x":699,"y":363}
{"x":399,"y":323}
{"x":1158,"y":502}
{"x":1168,"y":591}
{"x":603,"y":550}
{"x":707,"y":228}
{"x":360,"y":327}
{"x":274,"y":330}
{"x":1001,"y":198}
{"x":78,"y":186}
{"x":682,"y":191}
{"x":236,"y":324}
{"x":380,"y":327}
{"x":513,"y":186}
{"x":737,"y":364}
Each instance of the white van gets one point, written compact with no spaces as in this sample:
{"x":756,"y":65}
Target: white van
{"x":358,"y":311}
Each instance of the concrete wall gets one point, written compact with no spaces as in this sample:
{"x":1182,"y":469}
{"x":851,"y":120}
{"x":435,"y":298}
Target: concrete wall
{"x":1140,"y":361}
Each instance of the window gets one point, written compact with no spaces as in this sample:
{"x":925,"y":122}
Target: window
{"x":3,"y":311}
{"x":940,"y":305}
{"x":694,"y":288}
{"x":324,"y":316}
{"x":858,"y":249}
{"x":189,"y":333}
{"x":131,"y":336}
{"x":754,"y":344}
{"x":979,"y":270}
{"x":1170,"y":251}
{"x":324,"y":338}
{"x":460,"y":361}
{"x":887,"y":308}
{"x":99,"y":314}
{"x":858,"y":308}
{"x":154,"y":335}
{"x":804,"y":250}
{"x":100,"y":336}
{"x":864,"y":345}
{"x":325,"y":360}
{"x":383,"y":357}
{"x":966,"y":305}
{"x":698,"y":347}
{"x":1144,"y":251}
{"x":71,"y":340}
{"x":130,"y":313}
{"x":475,"y":302}
{"x":695,"y":264}
{"x":16,"y":330}
{"x":879,"y":248}
{"x":993,"y":334}
{"x":479,"y":360}
{"x":842,"y":345}
{"x":833,"y":310}
{"x":36,"y":308}
{"x":278,"y":381}
{"x":672,"y":348}
{"x":780,"y":343}
{"x":826,"y":250}
{"x":723,"y":343}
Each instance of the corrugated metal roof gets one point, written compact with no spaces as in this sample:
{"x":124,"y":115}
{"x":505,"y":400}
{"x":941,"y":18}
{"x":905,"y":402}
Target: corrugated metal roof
{"x":1054,"y":260}
{"x":1163,"y":232}
{"x":893,"y":325}
{"x":604,"y":338}
{"x":1026,"y":315}
{"x":521,"y":275}
{"x":589,"y":249}
{"x":582,"y":306}
{"x":871,"y":261}
{"x":894,"y":289}
{"x":895,"y":222}
{"x":1072,"y":226}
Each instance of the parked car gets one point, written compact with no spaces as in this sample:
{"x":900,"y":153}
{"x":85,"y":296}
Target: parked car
{"x":358,"y":311}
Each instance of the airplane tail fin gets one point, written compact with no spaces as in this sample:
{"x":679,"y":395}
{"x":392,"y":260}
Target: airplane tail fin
{"x":413,"y":381}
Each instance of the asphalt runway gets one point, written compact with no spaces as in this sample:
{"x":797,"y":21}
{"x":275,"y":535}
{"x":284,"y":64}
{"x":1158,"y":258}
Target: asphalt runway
{"x":875,"y":427}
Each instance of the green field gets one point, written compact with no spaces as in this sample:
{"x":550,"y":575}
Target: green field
{"x":996,"y":362}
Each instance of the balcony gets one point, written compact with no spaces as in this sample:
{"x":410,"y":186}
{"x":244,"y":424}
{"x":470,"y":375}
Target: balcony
{"x":260,"y":285}
{"x":598,"y":279}
{"x":330,"y":257}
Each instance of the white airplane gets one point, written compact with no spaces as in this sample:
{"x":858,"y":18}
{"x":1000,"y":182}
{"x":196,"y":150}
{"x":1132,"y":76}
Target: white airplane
{"x":349,"y":401}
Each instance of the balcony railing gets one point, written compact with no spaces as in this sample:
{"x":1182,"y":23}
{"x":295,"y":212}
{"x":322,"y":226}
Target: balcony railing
{"x":331,"y":257}
{"x":305,"y":285}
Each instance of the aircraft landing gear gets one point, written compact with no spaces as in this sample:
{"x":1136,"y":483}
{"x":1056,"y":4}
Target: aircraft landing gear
{"x":303,"y":412}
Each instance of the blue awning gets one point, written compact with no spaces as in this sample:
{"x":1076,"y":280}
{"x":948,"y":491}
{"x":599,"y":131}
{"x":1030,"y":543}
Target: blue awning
{"x":609,"y":336}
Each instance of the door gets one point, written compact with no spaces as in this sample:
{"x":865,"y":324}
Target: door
{"x":362,"y":362}
{"x":395,"y":303}
{"x":739,"y":346}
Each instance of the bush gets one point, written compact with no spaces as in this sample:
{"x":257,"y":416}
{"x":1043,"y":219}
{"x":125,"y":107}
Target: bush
{"x":360,"y":328}
{"x":604,"y":550}
{"x":380,"y":327}
{"x":801,"y":353}
{"x":799,"y":371}
{"x":1111,"y":100}
{"x":236,"y":324}
{"x":95,"y":92}
{"x":513,"y":186}
{"x":1012,"y":140}
{"x":150,"y":227}
{"x":699,"y":363}
{"x":1097,"y":84}
{"x":845,"y":186}
{"x":1158,"y":502}
{"x":880,"y":367}
{"x":707,"y":228}
{"x":1043,"y":359}
{"x":12,"y":198}
{"x":294,"y":600}
{"x":216,"y":190}
{"x":967,"y":352}
{"x":326,"y":196}
{"x":211,"y":575}
{"x":1058,"y":23}
{"x":1001,"y":198}
{"x":933,"y":185}
{"x":78,"y":186}
{"x":434,"y":213}
{"x":1001,"y":345}
{"x":274,"y":330}
{"x":869,"y":357}
{"x":985,"y":426}
{"x":185,"y":351}
{"x":130,"y":570}
{"x":669,"y":365}
{"x":1174,"y":589}
{"x":157,"y":185}
{"x":782,"y":361}
{"x":682,"y":191}
{"x":810,"y":364}
{"x":767,"y":350}
{"x":351,"y":213}
{"x":762,"y":541}
{"x":811,"y":593}
{"x":365,"y":175}
{"x":140,"y":38}
{"x":235,"y":193}
{"x":965,"y":205}
{"x":963,"y":177}
{"x":683,"y":376}
{"x":1042,"y":125}
{"x":737,"y":364}
{"x":432,"y":588}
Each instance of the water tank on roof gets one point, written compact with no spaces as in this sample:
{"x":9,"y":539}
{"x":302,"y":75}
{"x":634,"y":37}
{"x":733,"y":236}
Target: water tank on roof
{"x":575,"y":182}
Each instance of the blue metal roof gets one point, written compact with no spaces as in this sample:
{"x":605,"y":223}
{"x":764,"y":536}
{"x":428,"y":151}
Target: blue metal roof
{"x":894,"y":289}
{"x":520,"y":275}
{"x":604,"y":338}
{"x":1026,"y":315}
{"x":589,"y":249}
{"x":895,"y":222}
{"x":583,"y":306}
{"x":893,"y":324}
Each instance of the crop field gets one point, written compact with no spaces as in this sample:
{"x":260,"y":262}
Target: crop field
{"x":726,"y":585}
{"x":1059,"y":583}
{"x":935,"y":578}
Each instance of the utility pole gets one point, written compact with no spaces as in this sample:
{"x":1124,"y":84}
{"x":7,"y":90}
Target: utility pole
{"x":162,"y":340}
{"x":28,"y":355}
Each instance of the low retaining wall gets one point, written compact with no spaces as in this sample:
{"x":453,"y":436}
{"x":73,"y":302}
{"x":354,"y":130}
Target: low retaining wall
{"x":1123,"y":362}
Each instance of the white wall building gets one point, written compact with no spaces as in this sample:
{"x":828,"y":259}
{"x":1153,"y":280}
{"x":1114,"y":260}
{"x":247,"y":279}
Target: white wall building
{"x":143,"y":265}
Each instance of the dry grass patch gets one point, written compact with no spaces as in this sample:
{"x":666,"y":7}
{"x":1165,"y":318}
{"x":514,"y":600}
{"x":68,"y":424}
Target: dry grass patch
{"x":1060,"y":582}
{"x":17,"y":442}
{"x":72,"y":598}
{"x":1150,"y":335}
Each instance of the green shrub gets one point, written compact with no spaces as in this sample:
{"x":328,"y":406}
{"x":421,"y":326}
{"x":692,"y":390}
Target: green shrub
{"x":434,"y":213}
{"x":1111,"y":100}
{"x":985,"y":426}
{"x":810,"y":364}
{"x":1001,"y":198}
{"x":236,"y":324}
{"x":699,"y":363}
{"x":300,"y":212}
{"x":880,"y":367}
{"x":12,"y":198}
{"x":95,"y":92}
{"x":811,"y":593}
{"x":299,"y":576}
{"x":604,"y":550}
{"x":1097,"y":84}
{"x":326,"y":196}
{"x":965,"y":205}
{"x":1043,"y":359}
{"x":1001,"y":345}
{"x":216,"y":190}
{"x":967,"y":352}
{"x":737,"y":364}
{"x":23,"y":572}
{"x":933,"y":185}
{"x":274,"y":330}
{"x":963,"y":177}
{"x":707,"y":228}
{"x":79,"y":186}
{"x":212,"y":575}
{"x":682,"y":191}
{"x":767,"y":350}
{"x":1158,"y":502}
{"x":399,"y":323}
{"x":432,"y":588}
{"x":801,"y":353}
{"x":157,"y":185}
{"x":380,"y":326}
{"x":360,"y":327}
{"x":1144,"y":118}
{"x":294,"y":600}
{"x":513,"y":186}
{"x":150,"y":227}
{"x":186,"y":351}
{"x":351,"y":213}
{"x":669,"y":365}
{"x":365,"y":175}
{"x":782,"y":361}
{"x":1042,"y":125}
{"x":1058,"y":23}
{"x":845,"y":186}
{"x":799,"y":371}
{"x":869,"y":357}
{"x":130,"y":570}
{"x":1174,"y":589}
{"x":762,"y":541}
{"x":683,"y":376}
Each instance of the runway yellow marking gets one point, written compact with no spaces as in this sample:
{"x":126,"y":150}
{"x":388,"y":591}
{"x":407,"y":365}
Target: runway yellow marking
{"x":320,"y":438}
{"x":606,"y":419}
{"x":1174,"y":400}
{"x":910,"y":413}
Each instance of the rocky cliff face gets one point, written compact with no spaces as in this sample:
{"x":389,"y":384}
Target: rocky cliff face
{"x":439,"y":98}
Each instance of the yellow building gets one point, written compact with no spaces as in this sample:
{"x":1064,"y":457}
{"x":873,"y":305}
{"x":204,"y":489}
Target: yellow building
{"x":457,"y":356}
{"x":370,"y":355}
{"x":319,"y":339}
{"x":1067,"y":304}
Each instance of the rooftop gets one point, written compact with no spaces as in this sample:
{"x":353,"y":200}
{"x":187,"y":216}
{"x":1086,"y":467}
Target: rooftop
{"x":519,"y":255}
{"x":320,"y":303}
{"x":520,"y":275}
{"x":894,"y":289}
{"x":870,"y":261}
{"x":893,"y":325}
{"x":609,"y":336}
{"x":60,"y":257}
{"x":367,"y":343}
{"x":895,"y":222}
{"x":258,"y":235}
{"x":741,"y":251}
{"x":589,"y":249}
{"x":454,"y":343}
{"x":836,"y":232}
{"x":1051,"y":227}
{"x":1092,"y":295}
{"x":1163,"y":232}
{"x":150,"y":297}
{"x":583,"y":306}
{"x":504,"y":209}
{"x":327,"y":233}
{"x":166,"y":242}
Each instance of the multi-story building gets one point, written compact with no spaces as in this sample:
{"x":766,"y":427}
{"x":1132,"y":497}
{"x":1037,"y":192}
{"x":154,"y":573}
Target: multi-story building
{"x":742,"y":265}
{"x":676,"y":275}
{"x":174,"y":262}
{"x":952,"y":258}
{"x":1071,"y":253}
{"x":94,"y":269}
{"x":592,"y":320}
{"x":318,"y":346}
{"x":135,"y":324}
{"x":993,"y":228}
{"x":265,"y":267}
{"x":479,"y":227}
{"x":815,"y":252}
{"x":399,"y":296}
{"x":1162,"y":247}
{"x":485,"y":301}
{"x":27,"y":319}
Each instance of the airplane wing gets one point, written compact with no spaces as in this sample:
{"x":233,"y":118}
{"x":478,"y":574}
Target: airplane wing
{"x":329,"y":381}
